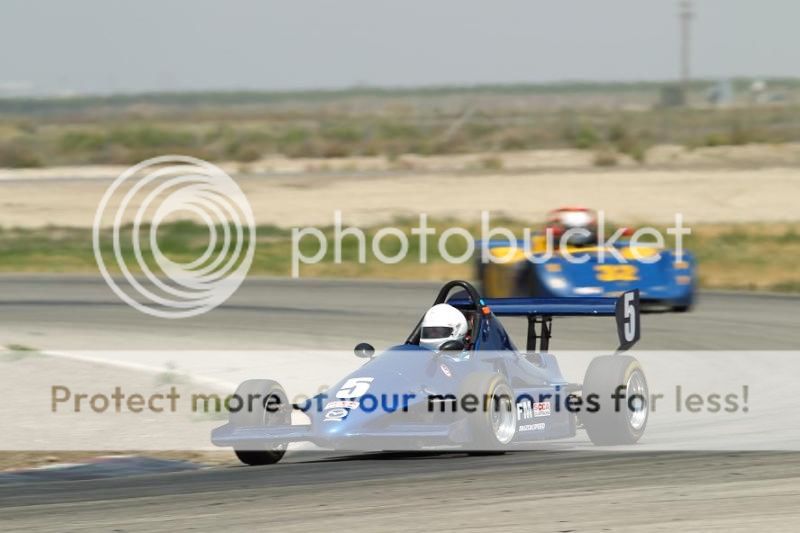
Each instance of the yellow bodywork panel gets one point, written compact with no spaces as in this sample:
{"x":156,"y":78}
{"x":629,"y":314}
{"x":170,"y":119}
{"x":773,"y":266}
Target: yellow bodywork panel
{"x":499,"y":276}
{"x":616,"y":272}
{"x":510,"y":254}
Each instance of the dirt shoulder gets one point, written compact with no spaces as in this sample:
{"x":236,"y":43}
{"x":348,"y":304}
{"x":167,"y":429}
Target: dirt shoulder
{"x":628,"y":195}
{"x":28,"y":377}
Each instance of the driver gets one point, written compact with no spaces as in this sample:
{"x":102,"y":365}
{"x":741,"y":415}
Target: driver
{"x":442,"y":323}
{"x":581,"y":223}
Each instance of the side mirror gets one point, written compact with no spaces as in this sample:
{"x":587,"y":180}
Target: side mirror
{"x":364,"y":350}
{"x":453,"y":346}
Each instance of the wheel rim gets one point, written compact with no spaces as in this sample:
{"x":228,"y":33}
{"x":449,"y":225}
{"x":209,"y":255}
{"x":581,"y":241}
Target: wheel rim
{"x":637,"y":386}
{"x":502,"y":415}
{"x":274,"y":419}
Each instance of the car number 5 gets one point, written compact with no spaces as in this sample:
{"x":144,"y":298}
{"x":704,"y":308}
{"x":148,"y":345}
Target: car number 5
{"x":630,"y":317}
{"x":354,"y":388}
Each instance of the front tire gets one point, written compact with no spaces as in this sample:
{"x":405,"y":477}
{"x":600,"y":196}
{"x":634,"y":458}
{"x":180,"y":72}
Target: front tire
{"x":255,"y":395}
{"x":493,"y":425}
{"x":610,"y":425}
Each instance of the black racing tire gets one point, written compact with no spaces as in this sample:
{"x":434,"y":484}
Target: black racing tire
{"x":609,"y":426}
{"x":254,"y":413}
{"x":493,"y":425}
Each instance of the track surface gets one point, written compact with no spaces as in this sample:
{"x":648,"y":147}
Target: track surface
{"x":548,"y":491}
{"x":82,"y":313}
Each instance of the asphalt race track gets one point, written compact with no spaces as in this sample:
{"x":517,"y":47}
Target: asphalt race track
{"x":49,"y":312}
{"x":527,"y":491}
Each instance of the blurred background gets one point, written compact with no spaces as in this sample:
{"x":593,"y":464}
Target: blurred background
{"x":385,"y":110}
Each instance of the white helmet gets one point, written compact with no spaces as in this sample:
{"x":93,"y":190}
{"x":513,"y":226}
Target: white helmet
{"x":442,"y":323}
{"x":579,"y":223}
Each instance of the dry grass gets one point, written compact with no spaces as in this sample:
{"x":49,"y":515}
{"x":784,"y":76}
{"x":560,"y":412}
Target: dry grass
{"x":245,"y":127}
{"x":31,"y":459}
{"x":730,"y":256}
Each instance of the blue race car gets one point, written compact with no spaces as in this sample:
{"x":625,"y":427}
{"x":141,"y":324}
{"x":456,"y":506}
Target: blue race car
{"x":520,"y":269}
{"x":480,"y":394}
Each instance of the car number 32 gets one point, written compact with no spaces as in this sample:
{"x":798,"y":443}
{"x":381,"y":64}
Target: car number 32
{"x":611,"y":273}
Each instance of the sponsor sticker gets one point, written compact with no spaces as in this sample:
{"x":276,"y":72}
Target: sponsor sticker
{"x":532,"y":427}
{"x":527,"y":410}
{"x":336,"y":415}
{"x":342,"y":404}
{"x":524,"y":410}
{"x":541,"y":409}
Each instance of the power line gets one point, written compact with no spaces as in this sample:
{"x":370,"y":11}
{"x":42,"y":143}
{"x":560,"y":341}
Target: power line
{"x":686,"y":16}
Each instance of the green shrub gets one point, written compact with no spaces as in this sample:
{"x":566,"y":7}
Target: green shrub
{"x":342,"y":133}
{"x":146,"y":137}
{"x":605,"y":158}
{"x":583,"y":137}
{"x":243,"y":153}
{"x":247,"y":154}
{"x":491,"y":163}
{"x":82,"y":141}
{"x":627,"y":142}
{"x":16,"y":155}
{"x":513,"y":141}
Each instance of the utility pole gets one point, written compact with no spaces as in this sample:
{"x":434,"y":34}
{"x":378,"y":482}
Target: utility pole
{"x":686,"y":16}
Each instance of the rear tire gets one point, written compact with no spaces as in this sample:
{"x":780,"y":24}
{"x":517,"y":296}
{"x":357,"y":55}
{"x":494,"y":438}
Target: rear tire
{"x":261,"y":391}
{"x":493,"y":425}
{"x":609,"y":425}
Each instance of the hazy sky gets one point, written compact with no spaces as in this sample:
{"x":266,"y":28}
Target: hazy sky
{"x":107,"y":45}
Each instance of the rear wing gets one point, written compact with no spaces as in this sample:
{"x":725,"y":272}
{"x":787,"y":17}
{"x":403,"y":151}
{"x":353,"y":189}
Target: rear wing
{"x":552,"y":306}
{"x":625,"y":308}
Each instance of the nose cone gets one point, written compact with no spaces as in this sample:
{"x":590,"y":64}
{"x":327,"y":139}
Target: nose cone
{"x":337,"y":423}
{"x":360,"y":428}
{"x":359,"y":405}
